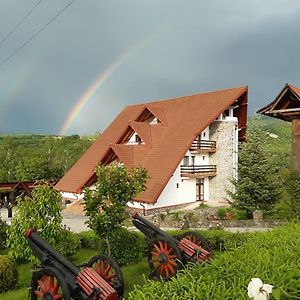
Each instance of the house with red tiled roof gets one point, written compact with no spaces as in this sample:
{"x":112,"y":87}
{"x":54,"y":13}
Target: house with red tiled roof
{"x":188,"y":145}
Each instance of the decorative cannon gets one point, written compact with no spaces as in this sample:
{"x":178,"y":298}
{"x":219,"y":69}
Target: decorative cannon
{"x":167,"y":254}
{"x":58,"y":278}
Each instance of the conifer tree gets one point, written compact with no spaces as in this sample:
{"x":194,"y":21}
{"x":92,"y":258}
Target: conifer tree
{"x":257,"y":186}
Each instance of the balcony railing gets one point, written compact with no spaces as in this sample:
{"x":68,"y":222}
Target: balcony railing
{"x":198,"y":171}
{"x":203,"y":146}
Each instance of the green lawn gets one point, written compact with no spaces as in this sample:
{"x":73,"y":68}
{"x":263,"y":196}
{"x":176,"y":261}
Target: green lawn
{"x":134,"y":274}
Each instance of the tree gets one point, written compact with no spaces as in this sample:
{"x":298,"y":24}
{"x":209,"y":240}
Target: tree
{"x":256,"y":186}
{"x":289,"y":204}
{"x":105,"y":205}
{"x":8,"y":159}
{"x":41,"y":211}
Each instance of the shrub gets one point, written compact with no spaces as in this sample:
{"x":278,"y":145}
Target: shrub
{"x":126,"y":246}
{"x":88,"y":239}
{"x":271,"y":256}
{"x":220,"y":240}
{"x":8,"y":273}
{"x":241,"y":215}
{"x":68,"y":243}
{"x":42,"y":211}
{"x":3,"y":234}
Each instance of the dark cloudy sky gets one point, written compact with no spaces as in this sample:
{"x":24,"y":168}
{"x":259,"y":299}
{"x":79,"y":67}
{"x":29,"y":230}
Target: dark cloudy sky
{"x":106,"y":54}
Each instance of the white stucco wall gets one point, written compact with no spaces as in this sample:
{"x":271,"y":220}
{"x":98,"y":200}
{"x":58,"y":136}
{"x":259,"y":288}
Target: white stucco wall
{"x":178,"y":191}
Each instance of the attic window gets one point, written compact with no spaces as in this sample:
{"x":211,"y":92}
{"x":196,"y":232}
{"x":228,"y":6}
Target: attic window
{"x":148,"y":117}
{"x":110,"y":158}
{"x":135,"y":139}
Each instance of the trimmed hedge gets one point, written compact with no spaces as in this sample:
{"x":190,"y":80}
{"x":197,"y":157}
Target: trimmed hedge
{"x":272,"y":256}
{"x":88,"y":239}
{"x":8,"y":273}
{"x":126,"y":246}
{"x":68,"y":243}
{"x":219,"y":239}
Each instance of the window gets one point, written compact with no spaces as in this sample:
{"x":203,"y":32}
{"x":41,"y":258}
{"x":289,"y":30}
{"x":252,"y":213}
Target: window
{"x":186,"y":161}
{"x":193,"y":160}
{"x":138,"y":139}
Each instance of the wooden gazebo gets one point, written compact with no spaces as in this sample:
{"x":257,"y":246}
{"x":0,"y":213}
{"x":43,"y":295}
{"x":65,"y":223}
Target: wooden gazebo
{"x":10,"y":190}
{"x":286,"y":106}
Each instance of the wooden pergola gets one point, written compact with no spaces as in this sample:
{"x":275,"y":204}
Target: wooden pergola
{"x":9,"y":191}
{"x":286,"y":106}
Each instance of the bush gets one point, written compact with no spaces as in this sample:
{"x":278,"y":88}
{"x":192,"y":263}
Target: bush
{"x":42,"y":211}
{"x":271,"y":256}
{"x":8,"y":273}
{"x":88,"y":239}
{"x":3,"y":234}
{"x":126,"y":246}
{"x":68,"y":243}
{"x":220,"y":240}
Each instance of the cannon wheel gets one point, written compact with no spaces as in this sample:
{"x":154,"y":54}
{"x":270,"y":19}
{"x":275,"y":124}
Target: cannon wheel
{"x":164,"y":258}
{"x":197,"y":239}
{"x":48,"y":284}
{"x":109,"y":270}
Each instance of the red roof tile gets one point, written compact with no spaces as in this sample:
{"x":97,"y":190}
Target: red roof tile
{"x":182,"y":120}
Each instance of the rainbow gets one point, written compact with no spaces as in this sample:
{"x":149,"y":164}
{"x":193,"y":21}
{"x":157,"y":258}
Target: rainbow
{"x":106,"y":74}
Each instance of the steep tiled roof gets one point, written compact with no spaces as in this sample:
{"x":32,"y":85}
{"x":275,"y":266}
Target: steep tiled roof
{"x":180,"y":121}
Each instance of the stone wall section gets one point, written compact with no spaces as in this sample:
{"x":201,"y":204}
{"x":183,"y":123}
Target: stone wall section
{"x":225,"y":158}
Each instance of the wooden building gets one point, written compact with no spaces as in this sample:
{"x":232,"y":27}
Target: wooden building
{"x":286,"y":106}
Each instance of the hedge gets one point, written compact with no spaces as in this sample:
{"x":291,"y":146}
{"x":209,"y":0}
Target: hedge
{"x":272,"y":256}
{"x":8,"y":273}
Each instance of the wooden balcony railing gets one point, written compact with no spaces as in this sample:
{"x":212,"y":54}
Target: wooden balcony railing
{"x":198,"y":171}
{"x":203,"y":146}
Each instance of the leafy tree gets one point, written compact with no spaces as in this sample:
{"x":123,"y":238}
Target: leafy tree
{"x":8,"y":159}
{"x":105,"y":205}
{"x":289,"y":204}
{"x":41,"y":211}
{"x":256,"y":186}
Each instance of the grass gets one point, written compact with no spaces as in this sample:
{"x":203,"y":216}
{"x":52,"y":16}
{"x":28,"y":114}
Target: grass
{"x":134,"y":274}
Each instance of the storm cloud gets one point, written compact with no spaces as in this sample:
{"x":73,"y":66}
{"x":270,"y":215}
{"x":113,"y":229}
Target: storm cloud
{"x":141,"y":51}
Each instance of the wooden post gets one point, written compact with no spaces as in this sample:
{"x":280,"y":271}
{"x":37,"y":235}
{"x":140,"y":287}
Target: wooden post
{"x":296,"y":144}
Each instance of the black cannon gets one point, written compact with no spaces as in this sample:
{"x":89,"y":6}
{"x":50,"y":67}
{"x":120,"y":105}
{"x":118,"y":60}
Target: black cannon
{"x":58,"y":278}
{"x":168,"y":254}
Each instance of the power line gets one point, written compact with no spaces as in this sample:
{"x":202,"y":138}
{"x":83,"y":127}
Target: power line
{"x":36,"y":34}
{"x":18,"y":25}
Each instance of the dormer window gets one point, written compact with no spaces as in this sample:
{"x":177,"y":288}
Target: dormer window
{"x":138,"y":140}
{"x":154,"y":121}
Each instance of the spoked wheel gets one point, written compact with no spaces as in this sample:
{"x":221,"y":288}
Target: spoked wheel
{"x":197,"y":239}
{"x":164,"y":258}
{"x":48,"y":284}
{"x":109,"y":270}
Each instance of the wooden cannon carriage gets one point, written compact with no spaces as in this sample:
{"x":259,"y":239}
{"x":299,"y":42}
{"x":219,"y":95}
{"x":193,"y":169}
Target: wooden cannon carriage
{"x":168,"y":254}
{"x":58,"y":278}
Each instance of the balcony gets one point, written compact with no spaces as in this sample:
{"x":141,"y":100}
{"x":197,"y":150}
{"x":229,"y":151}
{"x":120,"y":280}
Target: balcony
{"x":198,"y":171}
{"x":203,"y":146}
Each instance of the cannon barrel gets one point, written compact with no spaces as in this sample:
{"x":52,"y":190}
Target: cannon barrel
{"x":147,"y":228}
{"x":190,"y":250}
{"x":44,"y":252}
{"x":83,"y":284}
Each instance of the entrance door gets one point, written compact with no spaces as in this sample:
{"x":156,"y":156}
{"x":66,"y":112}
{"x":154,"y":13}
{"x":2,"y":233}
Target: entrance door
{"x":199,"y":189}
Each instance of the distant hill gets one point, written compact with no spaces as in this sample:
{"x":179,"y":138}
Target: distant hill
{"x":280,"y":133}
